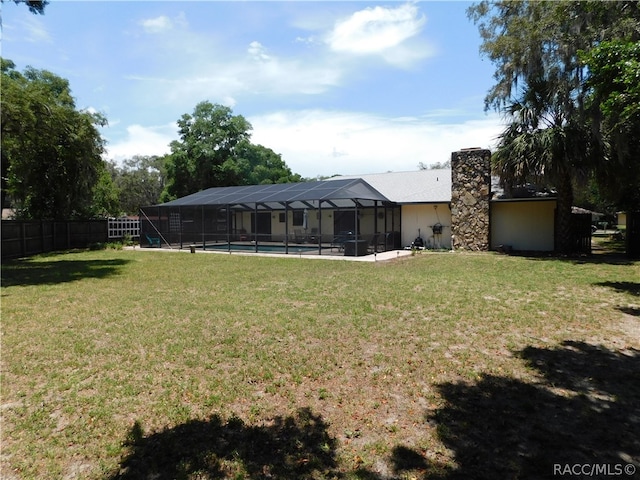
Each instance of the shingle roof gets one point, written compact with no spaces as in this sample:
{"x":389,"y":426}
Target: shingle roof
{"x":422,"y":186}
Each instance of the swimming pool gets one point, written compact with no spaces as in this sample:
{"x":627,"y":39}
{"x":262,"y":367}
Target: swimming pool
{"x":262,"y":248}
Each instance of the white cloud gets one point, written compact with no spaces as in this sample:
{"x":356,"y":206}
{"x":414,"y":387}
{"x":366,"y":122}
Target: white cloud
{"x":163,"y":23}
{"x":199,"y":68}
{"x":141,"y":140}
{"x":375,"y":30}
{"x":318,"y":142}
{"x":156,"y":25}
{"x":258,"y":52}
{"x":222,"y":78}
{"x":35,"y":31}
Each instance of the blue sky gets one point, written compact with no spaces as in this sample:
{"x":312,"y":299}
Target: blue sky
{"x":334,"y":87}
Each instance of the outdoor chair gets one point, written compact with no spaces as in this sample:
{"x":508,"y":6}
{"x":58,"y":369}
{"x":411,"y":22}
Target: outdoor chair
{"x":313,"y":236}
{"x":299,"y":236}
{"x":373,"y":244}
{"x":152,"y":240}
{"x":339,"y":240}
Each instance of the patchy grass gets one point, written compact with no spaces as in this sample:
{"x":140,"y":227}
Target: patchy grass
{"x":130,"y":364}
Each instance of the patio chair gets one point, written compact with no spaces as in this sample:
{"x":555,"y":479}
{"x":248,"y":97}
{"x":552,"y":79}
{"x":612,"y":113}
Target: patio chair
{"x":313,"y":236}
{"x":299,"y":236}
{"x":152,"y":240}
{"x":373,"y":243}
{"x":339,"y":240}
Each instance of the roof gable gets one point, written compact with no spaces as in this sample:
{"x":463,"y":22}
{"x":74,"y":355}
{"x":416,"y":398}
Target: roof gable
{"x":422,"y":186}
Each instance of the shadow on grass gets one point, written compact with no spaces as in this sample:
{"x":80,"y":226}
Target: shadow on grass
{"x":585,"y":411}
{"x":632,"y":288}
{"x":633,"y":311}
{"x":36,"y":271}
{"x":580,"y":259}
{"x":291,"y":447}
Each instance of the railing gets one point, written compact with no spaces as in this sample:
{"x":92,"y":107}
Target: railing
{"x":123,"y":227}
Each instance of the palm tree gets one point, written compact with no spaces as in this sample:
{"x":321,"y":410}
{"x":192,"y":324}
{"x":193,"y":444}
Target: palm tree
{"x":542,"y":142}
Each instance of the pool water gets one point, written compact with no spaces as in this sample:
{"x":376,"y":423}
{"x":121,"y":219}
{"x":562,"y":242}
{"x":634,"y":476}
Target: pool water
{"x":262,"y":248}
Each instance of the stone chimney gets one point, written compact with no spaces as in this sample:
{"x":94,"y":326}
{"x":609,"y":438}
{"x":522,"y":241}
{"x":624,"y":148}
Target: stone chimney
{"x":470,"y":195}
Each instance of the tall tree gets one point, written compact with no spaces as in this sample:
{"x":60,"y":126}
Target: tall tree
{"x":106,"y":201}
{"x":51,"y":152}
{"x":541,"y":143}
{"x":140,"y":182}
{"x":536,"y":47}
{"x":256,"y":165}
{"x":208,"y":139}
{"x":614,"y":87}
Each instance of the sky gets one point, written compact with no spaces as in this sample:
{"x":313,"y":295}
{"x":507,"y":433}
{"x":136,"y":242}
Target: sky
{"x":336,"y":88}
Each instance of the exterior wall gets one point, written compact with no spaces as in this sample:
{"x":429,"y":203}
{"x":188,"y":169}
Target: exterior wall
{"x":523,"y":225}
{"x":470,"y":195}
{"x":278,"y":228}
{"x":370,"y":224}
{"x":622,"y":220}
{"x":423,"y":217}
{"x":367,"y":217}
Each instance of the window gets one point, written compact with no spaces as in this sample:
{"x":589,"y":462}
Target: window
{"x":298,"y":218}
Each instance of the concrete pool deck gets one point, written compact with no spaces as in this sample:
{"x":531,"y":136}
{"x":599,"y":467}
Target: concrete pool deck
{"x":378,"y":257}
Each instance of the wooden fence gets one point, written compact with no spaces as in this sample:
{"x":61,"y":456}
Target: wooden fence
{"x":24,"y":238}
{"x":581,"y":232}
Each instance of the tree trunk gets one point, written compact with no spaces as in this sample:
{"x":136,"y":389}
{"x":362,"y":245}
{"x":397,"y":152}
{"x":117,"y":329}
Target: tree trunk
{"x":564,"y":233}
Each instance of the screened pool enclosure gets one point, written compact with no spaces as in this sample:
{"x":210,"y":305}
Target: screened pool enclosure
{"x":342,"y":216}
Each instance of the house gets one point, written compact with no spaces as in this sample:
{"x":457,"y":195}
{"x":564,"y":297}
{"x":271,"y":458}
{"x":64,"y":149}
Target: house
{"x":459,"y":208}
{"x":621,"y":218}
{"x":424,"y":200}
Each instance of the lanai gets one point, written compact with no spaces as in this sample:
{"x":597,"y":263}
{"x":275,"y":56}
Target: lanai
{"x":312,"y":213}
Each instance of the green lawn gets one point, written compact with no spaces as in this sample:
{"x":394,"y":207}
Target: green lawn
{"x":141,"y":364}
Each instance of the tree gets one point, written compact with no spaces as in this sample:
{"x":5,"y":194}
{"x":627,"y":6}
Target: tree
{"x":51,"y":152}
{"x":208,"y":139}
{"x":539,"y":87}
{"x":106,"y":201}
{"x":434,"y":166}
{"x":214,"y":150}
{"x":140,"y":182}
{"x":35,"y":6}
{"x":258,"y":165}
{"x":614,"y":104}
{"x":542,"y":144}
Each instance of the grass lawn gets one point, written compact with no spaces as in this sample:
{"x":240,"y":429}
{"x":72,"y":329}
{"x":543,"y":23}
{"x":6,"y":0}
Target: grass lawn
{"x":142,"y":364}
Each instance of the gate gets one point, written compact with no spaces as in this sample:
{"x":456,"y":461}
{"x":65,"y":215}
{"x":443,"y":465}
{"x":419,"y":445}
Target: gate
{"x":581,"y":232}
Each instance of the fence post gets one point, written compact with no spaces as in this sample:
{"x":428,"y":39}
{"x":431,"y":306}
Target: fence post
{"x":23,"y":243}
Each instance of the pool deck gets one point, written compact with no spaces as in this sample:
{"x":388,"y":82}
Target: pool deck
{"x":378,"y":257}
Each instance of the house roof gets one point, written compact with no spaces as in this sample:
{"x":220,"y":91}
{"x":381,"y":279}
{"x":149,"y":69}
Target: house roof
{"x":421,"y":186}
{"x":339,"y":193}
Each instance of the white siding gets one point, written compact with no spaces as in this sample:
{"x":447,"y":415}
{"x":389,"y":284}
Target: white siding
{"x":423,"y":217}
